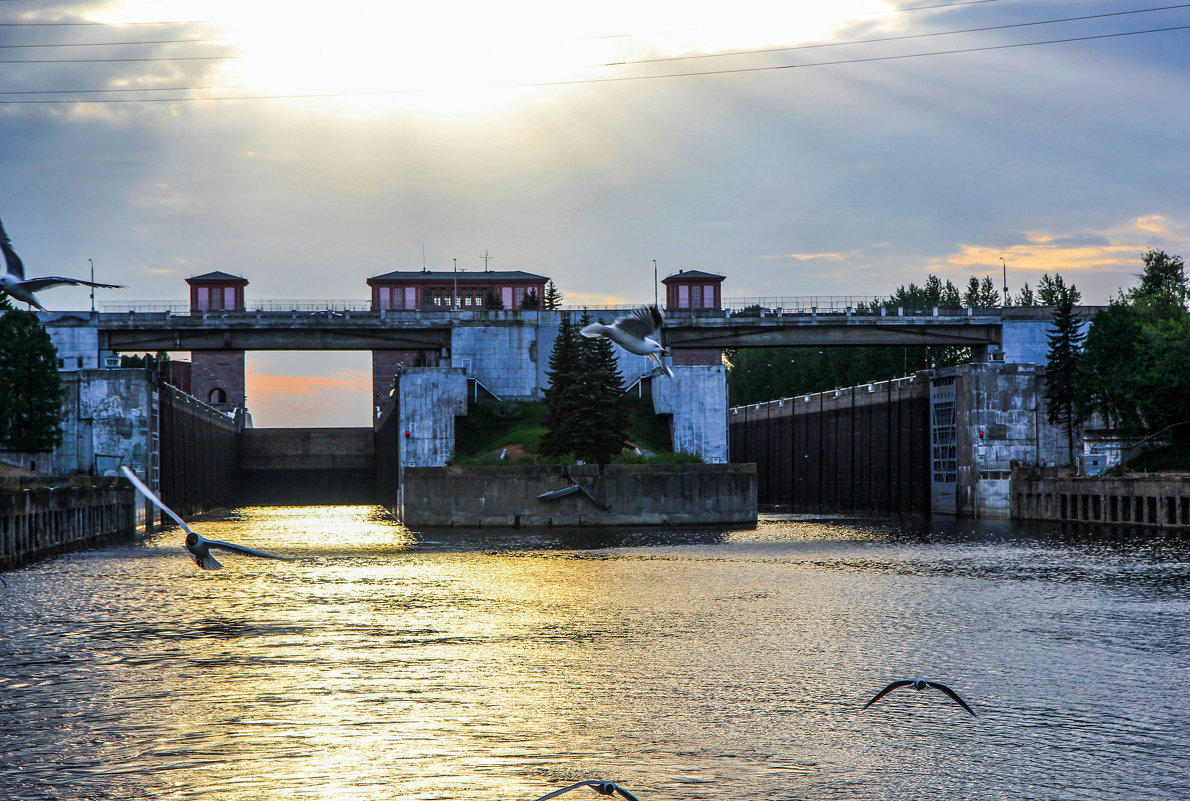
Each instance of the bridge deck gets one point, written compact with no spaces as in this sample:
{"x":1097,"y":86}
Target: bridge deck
{"x":431,"y":330}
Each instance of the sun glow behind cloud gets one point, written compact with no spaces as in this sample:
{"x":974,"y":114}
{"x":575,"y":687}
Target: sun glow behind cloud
{"x":467,"y":56}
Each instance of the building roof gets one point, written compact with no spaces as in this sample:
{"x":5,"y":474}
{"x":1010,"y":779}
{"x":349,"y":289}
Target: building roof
{"x":217,"y":275}
{"x":462,"y":275}
{"x":691,"y":275}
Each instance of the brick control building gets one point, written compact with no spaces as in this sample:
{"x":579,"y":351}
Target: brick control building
{"x":217,"y":376}
{"x":694,"y":290}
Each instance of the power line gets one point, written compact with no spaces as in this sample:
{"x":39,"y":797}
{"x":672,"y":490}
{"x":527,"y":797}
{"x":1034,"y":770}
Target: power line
{"x":113,"y":44}
{"x":91,"y":23}
{"x":111,"y":60}
{"x":760,"y":51}
{"x":1005,"y":26}
{"x":617,"y":79}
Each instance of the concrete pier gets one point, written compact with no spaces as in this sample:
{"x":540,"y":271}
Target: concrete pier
{"x":42,"y":517}
{"x":591,"y":495}
{"x":1150,"y":501}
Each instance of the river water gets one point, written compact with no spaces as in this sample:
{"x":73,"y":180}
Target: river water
{"x":701,"y":664}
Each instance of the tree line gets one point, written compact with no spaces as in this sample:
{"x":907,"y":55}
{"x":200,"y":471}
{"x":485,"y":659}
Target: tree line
{"x":31,"y":389}
{"x":1131,"y":366}
{"x":764,"y":374}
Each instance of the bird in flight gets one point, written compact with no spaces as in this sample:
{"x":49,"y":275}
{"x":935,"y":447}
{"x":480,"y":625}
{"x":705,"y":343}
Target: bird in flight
{"x":603,"y":788}
{"x":921,"y":684}
{"x":14,"y":284}
{"x":638,"y":331}
{"x":199,"y":546}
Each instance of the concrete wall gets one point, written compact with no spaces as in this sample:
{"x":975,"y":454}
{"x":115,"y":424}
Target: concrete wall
{"x":1152,"y":501}
{"x":76,"y":340}
{"x":1024,"y":337}
{"x":39,"y":518}
{"x":511,"y":357}
{"x":623,"y":495}
{"x":1007,"y":403}
{"x":696,"y":399}
{"x":300,"y":466}
{"x":306,"y":448}
{"x":109,"y":418}
{"x":428,"y":400}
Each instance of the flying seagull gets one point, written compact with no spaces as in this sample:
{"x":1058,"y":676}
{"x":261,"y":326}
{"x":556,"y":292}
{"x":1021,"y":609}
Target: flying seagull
{"x":920,"y":684}
{"x":14,"y":284}
{"x":199,"y":546}
{"x":638,"y":331}
{"x":603,"y":788}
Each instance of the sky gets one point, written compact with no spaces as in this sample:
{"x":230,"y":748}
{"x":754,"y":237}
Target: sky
{"x":797,"y":148}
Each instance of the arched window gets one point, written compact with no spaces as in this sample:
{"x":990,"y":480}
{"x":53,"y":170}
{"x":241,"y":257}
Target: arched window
{"x":218,"y":395}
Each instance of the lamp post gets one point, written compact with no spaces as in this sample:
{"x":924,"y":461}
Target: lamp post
{"x":92,"y":285}
{"x":655,"y":296}
{"x":454,"y":298}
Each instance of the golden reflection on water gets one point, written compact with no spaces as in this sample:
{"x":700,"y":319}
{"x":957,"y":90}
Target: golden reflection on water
{"x":383,"y":664}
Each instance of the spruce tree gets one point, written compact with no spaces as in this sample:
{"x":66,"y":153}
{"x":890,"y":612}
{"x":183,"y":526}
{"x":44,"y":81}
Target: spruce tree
{"x":1062,"y":365}
{"x":559,"y":397}
{"x":553,"y":298}
{"x":30,"y":387}
{"x":602,"y":415}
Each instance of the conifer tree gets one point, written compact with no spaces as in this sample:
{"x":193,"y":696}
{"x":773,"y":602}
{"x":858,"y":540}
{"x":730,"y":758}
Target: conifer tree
{"x":559,"y":397}
{"x":1026,"y":297}
{"x":1062,"y":365}
{"x":30,"y":387}
{"x":981,"y":294}
{"x":602,"y":415}
{"x":553,"y":298}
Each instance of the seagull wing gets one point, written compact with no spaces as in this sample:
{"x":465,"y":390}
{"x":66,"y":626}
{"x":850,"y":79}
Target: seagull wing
{"x":643,"y":322}
{"x":887,"y":690}
{"x":952,"y":694}
{"x":206,"y":561}
{"x":45,"y":282}
{"x":603,"y":788}
{"x":231,"y":547}
{"x":13,"y":262}
{"x":557,"y":793}
{"x":148,"y":493}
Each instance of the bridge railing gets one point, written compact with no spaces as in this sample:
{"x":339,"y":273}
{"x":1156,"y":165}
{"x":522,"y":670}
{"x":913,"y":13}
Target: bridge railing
{"x":857,"y":305}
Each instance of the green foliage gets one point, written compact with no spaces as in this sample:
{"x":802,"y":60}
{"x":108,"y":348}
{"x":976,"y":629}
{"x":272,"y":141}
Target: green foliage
{"x":1175,"y":456}
{"x":586,"y":413}
{"x":30,"y":388}
{"x":1136,"y":364}
{"x":758,"y":375}
{"x":530,"y":300}
{"x":1049,"y":290}
{"x":981,"y":294}
{"x":1025,"y":297}
{"x":1162,"y":291}
{"x":644,"y":425}
{"x":1062,"y":387}
{"x":559,"y":400}
{"x":930,"y":295}
{"x":492,"y":301}
{"x":553,"y":298}
{"x":490,"y":425}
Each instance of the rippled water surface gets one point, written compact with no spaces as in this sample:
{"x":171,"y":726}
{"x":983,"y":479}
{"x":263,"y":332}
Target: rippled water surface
{"x":381,"y":664}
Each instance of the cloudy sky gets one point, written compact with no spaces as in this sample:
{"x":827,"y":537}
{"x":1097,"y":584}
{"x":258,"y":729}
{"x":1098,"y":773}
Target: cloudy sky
{"x":799,"y":148}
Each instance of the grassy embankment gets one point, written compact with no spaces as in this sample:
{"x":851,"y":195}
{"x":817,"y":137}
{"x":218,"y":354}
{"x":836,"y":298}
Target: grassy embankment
{"x":489,"y":428}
